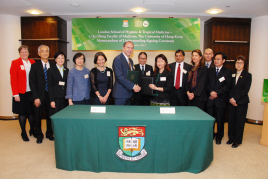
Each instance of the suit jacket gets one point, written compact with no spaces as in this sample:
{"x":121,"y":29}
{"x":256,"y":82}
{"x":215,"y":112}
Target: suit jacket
{"x":122,"y":86}
{"x":37,"y":80}
{"x":212,"y":65}
{"x":18,"y":77}
{"x":221,"y":85}
{"x":148,"y":68}
{"x":56,"y":90}
{"x":239,"y":91}
{"x":166,"y":84}
{"x":186,"y":67}
{"x":201,"y":84}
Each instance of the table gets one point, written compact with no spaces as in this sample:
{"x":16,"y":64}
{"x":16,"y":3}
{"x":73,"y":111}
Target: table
{"x":180,"y":142}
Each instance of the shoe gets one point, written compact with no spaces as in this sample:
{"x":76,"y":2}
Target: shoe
{"x":24,"y":137}
{"x":50,"y":137}
{"x":235,"y":145}
{"x":39,"y":140}
{"x":229,"y":142}
{"x":218,"y":141}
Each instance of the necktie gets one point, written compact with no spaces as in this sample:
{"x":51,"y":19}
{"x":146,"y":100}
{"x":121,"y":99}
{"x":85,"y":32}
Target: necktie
{"x":207,"y":65}
{"x":178,"y":78}
{"x":129,"y":64}
{"x":142,"y":69}
{"x":217,"y":72}
{"x":45,"y":72}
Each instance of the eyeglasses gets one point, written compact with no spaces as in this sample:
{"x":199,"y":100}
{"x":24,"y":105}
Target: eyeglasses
{"x":239,"y":63}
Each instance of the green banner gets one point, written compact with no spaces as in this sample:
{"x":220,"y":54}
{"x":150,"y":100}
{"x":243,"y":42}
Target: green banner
{"x":145,"y":33}
{"x":265,"y":91}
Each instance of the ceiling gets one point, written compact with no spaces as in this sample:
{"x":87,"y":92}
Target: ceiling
{"x":124,"y":8}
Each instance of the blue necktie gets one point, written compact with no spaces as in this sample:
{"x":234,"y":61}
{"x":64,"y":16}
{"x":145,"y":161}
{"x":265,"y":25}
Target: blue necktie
{"x":45,"y":71}
{"x":217,"y":72}
{"x":142,"y":69}
{"x":207,"y":65}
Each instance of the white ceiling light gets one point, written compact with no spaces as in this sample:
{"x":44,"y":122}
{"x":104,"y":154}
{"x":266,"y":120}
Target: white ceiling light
{"x":34,"y":12}
{"x":214,"y":11}
{"x":138,"y":10}
{"x":75,"y":4}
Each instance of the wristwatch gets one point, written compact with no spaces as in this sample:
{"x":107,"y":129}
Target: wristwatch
{"x":98,"y":96}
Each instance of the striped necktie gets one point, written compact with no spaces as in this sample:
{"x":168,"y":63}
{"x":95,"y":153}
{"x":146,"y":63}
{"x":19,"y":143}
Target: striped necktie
{"x":45,"y":72}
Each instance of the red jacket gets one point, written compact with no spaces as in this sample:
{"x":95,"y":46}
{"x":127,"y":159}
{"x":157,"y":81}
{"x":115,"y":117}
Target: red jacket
{"x":18,"y":76}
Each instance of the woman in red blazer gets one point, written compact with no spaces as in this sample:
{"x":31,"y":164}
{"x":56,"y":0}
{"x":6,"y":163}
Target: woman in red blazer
{"x":19,"y":79}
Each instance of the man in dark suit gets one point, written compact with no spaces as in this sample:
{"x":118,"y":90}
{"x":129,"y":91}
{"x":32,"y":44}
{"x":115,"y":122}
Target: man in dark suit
{"x":123,"y":88}
{"x":219,"y":83}
{"x":208,"y":57}
{"x":180,"y":71}
{"x":39,"y":89}
{"x":144,"y":71}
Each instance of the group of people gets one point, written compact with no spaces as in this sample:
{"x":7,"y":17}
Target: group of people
{"x":204,"y":83}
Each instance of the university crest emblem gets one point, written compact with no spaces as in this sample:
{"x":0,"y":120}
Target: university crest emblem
{"x":131,"y":143}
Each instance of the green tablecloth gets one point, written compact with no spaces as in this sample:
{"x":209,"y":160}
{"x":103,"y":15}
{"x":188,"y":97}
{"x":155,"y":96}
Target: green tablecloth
{"x":180,"y":142}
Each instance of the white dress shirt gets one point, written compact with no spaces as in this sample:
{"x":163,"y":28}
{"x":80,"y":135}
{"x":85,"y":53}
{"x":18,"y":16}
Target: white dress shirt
{"x":47,"y":64}
{"x":127,"y":61}
{"x":27,"y":67}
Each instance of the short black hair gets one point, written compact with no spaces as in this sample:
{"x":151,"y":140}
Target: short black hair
{"x":180,"y":51}
{"x":142,"y":53}
{"x":99,"y":54}
{"x":223,"y":55}
{"x":77,"y":55}
{"x":59,"y":53}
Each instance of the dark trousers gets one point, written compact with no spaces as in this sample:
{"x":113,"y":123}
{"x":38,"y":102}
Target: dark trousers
{"x":60,"y":103}
{"x":142,"y":101}
{"x":38,"y":112}
{"x":178,"y":97}
{"x":236,"y":122}
{"x":219,"y":115}
{"x":197,"y":103}
{"x":122,"y":101}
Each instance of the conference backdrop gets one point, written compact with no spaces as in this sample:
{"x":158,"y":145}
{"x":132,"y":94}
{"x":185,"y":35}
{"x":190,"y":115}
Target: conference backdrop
{"x":145,"y":33}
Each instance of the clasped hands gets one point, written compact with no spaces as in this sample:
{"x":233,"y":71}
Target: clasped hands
{"x":137,"y":88}
{"x":233,"y":101}
{"x":213,"y":95}
{"x":190,"y":95}
{"x":103,"y":99}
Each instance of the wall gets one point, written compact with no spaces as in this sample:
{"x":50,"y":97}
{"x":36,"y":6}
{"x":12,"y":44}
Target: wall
{"x":9,"y":38}
{"x":258,"y":64}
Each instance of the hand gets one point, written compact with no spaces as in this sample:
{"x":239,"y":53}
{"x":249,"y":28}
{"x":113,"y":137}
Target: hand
{"x":233,"y":102}
{"x":17,"y":98}
{"x":52,"y":104}
{"x":190,"y":95}
{"x":37,"y":102}
{"x":137,"y":88}
{"x":213,"y":95}
{"x":101,"y":99}
{"x":105,"y":98}
{"x":70,"y":102}
{"x":152,"y":86}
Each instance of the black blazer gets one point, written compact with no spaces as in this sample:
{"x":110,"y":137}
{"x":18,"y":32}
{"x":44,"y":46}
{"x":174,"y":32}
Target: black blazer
{"x":240,"y":90}
{"x":212,"y":65}
{"x":37,"y":80}
{"x":201,"y":84}
{"x":220,"y":87}
{"x":54,"y":77}
{"x":186,"y":67}
{"x":166,"y":85}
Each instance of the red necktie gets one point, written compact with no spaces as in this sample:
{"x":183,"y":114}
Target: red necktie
{"x":178,"y":78}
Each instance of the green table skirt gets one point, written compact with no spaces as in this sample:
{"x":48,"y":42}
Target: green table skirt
{"x":180,"y":142}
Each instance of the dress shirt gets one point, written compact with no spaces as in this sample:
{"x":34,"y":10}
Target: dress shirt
{"x":60,"y":69}
{"x":238,"y":73}
{"x":208,"y":64}
{"x":218,"y":68}
{"x":27,"y":66}
{"x":176,"y":68}
{"x":127,"y":61}
{"x":143,"y":67}
{"x":47,"y":64}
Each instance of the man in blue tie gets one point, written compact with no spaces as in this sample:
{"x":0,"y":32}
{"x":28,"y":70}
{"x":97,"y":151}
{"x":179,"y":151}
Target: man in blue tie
{"x":219,"y":83}
{"x":208,"y":57}
{"x":39,"y":90}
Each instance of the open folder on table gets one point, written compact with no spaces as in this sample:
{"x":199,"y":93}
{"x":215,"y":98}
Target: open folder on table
{"x":145,"y":89}
{"x":133,"y":76}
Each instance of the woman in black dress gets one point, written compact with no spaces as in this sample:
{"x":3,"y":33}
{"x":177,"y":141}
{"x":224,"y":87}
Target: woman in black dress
{"x":238,"y":98}
{"x":19,"y":79}
{"x":57,"y":82}
{"x":163,"y":82}
{"x":101,"y":79}
{"x":197,"y":81}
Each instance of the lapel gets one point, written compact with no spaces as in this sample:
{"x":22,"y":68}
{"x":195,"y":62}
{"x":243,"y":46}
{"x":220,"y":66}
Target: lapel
{"x":221,"y":72}
{"x":124,"y":61}
{"x":240,"y":77}
{"x":183,"y":74}
{"x":40,"y":66}
{"x":57,"y":71}
{"x":65,"y":74}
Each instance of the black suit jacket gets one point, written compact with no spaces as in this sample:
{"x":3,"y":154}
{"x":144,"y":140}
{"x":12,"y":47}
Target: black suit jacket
{"x":165,"y":84}
{"x":201,"y":84}
{"x":212,"y":65}
{"x":37,"y":80}
{"x":186,"y":67}
{"x":148,"y":68}
{"x":220,"y":87}
{"x":239,"y":91}
{"x":55,"y":90}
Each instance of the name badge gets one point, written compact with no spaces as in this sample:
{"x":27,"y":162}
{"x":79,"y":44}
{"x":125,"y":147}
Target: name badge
{"x":97,"y":109}
{"x":86,"y":76}
{"x":62,"y":83}
{"x":222,"y":79}
{"x":22,"y":67}
{"x":233,"y":75}
{"x":163,"y":78}
{"x":148,"y":73}
{"x":184,"y":71}
{"x":108,"y":73}
{"x":167,"y":110}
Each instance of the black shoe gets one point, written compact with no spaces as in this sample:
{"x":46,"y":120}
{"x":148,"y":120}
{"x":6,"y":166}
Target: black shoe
{"x":218,"y":141}
{"x":50,"y":137}
{"x":39,"y":140}
{"x":24,"y":137}
{"x":235,"y":145}
{"x":229,"y":142}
